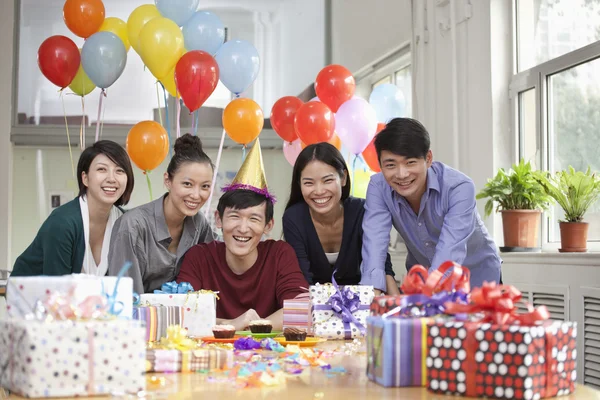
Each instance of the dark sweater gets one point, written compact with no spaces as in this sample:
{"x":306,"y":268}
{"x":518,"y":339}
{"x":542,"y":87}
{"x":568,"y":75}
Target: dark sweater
{"x":300,"y":233}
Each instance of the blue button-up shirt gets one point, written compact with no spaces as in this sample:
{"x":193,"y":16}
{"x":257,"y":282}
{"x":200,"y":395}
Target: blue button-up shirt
{"x":448,"y":227}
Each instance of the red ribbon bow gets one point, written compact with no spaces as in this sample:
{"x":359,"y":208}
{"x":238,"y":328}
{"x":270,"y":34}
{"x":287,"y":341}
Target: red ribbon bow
{"x":420,"y":281}
{"x":498,"y":305}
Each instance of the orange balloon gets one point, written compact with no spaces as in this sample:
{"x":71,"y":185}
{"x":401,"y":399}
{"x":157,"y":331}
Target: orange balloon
{"x":335,"y":141}
{"x":243,"y":120}
{"x":147,"y":145}
{"x":83,"y":17}
{"x":370,"y":154}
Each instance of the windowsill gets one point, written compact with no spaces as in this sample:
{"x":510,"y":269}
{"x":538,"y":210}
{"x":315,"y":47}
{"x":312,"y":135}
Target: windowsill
{"x":591,"y":258}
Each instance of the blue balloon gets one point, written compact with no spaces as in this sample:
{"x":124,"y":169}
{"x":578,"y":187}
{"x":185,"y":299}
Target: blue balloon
{"x":103,"y":58}
{"x":205,"y":32}
{"x":388,"y":102}
{"x":238,"y":65}
{"x":179,"y":11}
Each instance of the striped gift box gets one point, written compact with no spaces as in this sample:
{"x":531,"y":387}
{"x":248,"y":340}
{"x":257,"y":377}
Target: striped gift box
{"x":158,"y":319}
{"x":159,"y":360}
{"x":397,"y":351}
{"x":296,"y":314}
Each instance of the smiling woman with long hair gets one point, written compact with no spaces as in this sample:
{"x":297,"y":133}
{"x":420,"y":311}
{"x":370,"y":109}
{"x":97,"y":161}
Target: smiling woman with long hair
{"x":75,"y":238}
{"x":322,"y":222}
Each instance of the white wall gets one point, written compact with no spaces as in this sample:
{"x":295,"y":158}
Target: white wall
{"x":363,"y":32}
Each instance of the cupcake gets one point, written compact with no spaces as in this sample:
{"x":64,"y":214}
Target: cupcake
{"x":294,"y":335}
{"x":223,"y":331}
{"x":261,"y":326}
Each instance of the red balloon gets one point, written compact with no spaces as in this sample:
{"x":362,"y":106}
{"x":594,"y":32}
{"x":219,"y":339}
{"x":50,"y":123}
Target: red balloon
{"x":314,"y":123}
{"x":282,"y":117}
{"x":196,"y":77}
{"x":334,"y":86}
{"x":370,"y":154}
{"x":59,"y":59}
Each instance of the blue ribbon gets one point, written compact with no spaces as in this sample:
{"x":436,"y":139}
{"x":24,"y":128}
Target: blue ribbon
{"x":174,"y":288}
{"x":420,"y":305}
{"x":116,"y":307}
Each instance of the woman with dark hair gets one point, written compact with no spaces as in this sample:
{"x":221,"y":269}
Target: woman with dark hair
{"x":154,"y":237}
{"x":75,"y":237}
{"x":323,"y":223}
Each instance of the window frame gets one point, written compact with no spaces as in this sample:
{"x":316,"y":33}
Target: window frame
{"x":538,"y":78}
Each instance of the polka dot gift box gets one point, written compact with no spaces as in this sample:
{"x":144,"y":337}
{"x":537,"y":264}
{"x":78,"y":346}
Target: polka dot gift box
{"x":67,"y":358}
{"x":340,"y":312}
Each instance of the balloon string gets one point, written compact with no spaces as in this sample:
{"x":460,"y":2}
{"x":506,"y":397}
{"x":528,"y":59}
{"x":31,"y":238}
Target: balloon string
{"x":82,"y":127}
{"x":167,"y":119}
{"x":243,"y":153}
{"x":353,"y":171}
{"x":197,"y":121}
{"x":178,"y":117}
{"x":214,"y":181}
{"x":99,"y":115}
{"x":160,"y":118}
{"x":68,"y":136}
{"x":103,"y":114}
{"x":193,"y":122}
{"x":147,"y":173}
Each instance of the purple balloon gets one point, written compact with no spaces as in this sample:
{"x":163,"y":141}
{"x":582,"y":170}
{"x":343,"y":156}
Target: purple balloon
{"x":356,"y":124}
{"x":291,"y":151}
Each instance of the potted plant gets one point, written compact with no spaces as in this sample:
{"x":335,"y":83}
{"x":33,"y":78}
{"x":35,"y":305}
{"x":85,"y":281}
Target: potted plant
{"x":521,"y":198}
{"x":575,"y":192}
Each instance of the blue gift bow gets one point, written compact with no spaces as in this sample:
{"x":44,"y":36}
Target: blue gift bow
{"x":420,"y":305}
{"x":175,"y":288}
{"x":115,"y":307}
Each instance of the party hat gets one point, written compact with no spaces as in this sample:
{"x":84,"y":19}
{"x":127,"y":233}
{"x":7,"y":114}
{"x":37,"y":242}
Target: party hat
{"x":251,"y":175}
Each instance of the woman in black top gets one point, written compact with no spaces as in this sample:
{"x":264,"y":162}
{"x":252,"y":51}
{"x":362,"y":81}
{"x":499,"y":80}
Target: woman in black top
{"x":322,"y":222}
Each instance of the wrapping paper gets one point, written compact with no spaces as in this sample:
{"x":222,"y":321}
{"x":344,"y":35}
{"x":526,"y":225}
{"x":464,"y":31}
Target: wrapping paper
{"x":328,"y":323}
{"x":297,"y":314}
{"x":199,"y":310}
{"x":157,"y":319}
{"x":385,"y":304}
{"x":397,"y":351}
{"x":22,"y":292}
{"x":159,"y":360}
{"x":508,"y":361}
{"x":72,"y":358}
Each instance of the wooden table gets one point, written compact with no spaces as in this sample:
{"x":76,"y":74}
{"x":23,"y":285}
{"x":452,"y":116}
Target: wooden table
{"x":311,"y":384}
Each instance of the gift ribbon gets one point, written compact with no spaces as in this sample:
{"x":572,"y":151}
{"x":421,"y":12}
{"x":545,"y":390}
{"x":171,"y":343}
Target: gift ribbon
{"x":420,"y":281}
{"x":420,"y":305}
{"x":175,"y":288}
{"x":177,"y":339}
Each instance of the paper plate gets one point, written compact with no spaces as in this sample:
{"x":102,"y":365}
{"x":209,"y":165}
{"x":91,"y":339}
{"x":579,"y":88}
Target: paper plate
{"x":259,"y":335}
{"x":212,"y":339}
{"x":309,"y":342}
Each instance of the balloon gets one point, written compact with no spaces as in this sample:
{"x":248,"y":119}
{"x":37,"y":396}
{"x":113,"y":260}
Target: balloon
{"x":243,"y":120}
{"x":291,"y":150}
{"x":179,"y":11}
{"x":103,"y":58}
{"x":137,"y":20}
{"x":334,"y":86}
{"x":356,"y":124}
{"x":238,"y":63}
{"x":388,"y":102}
{"x":282,"y":117}
{"x":196,"y":76}
{"x":169,"y":83}
{"x":316,"y":98}
{"x":334,"y":141}
{"x":314,"y":122}
{"x":118,"y":27}
{"x":83,"y":17}
{"x":204,"y":31}
{"x":81,"y":84}
{"x":360,"y":183}
{"x":370,"y":157}
{"x":160,"y":46}
{"x":147,"y":145}
{"x":59,"y":59}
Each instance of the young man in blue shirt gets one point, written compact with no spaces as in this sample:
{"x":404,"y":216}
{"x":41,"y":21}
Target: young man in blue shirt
{"x":431,"y":205}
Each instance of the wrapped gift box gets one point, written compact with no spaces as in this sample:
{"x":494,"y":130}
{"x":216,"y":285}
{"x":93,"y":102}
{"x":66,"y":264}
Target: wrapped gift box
{"x":329,"y":324}
{"x":397,"y":351}
{"x":159,"y":360}
{"x":72,"y":358}
{"x":157,"y":319}
{"x":503,"y":361}
{"x":22,"y":292}
{"x":199,"y":309}
{"x":297,"y":314}
{"x":384,"y":304}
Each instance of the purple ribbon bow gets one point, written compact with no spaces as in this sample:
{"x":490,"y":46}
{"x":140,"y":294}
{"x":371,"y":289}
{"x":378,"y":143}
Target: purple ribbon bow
{"x":345,"y":303}
{"x":420,"y":305}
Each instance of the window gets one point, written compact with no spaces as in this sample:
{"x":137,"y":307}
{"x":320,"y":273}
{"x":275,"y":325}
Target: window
{"x":401,"y":77}
{"x":556,"y":94}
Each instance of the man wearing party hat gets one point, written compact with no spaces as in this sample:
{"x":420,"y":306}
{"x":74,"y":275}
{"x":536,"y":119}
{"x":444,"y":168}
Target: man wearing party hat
{"x":253,"y":277}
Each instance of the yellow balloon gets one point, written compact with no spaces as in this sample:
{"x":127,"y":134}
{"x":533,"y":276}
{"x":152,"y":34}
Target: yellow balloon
{"x":160,"y":46}
{"x":360,"y":183}
{"x":169,"y":83}
{"x":81,"y":84}
{"x":136,"y":21}
{"x":118,"y":27}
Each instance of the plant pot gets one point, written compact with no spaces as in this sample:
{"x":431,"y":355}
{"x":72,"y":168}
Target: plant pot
{"x":573,"y":237}
{"x":521,"y":228}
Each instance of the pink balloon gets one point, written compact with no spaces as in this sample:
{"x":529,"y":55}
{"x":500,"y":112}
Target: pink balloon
{"x":291,"y":150}
{"x":316,"y":98}
{"x":356,"y":124}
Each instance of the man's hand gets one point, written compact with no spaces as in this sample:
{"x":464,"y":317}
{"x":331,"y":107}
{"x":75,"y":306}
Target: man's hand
{"x":377,"y":292}
{"x":241,"y":323}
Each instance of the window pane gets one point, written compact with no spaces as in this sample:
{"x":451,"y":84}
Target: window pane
{"x":574,"y":129}
{"x":550,"y":28}
{"x":404,"y":82}
{"x":386,"y":79}
{"x":528,"y":134}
